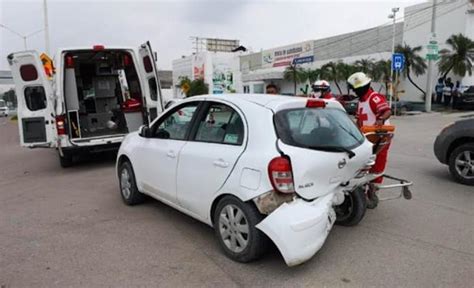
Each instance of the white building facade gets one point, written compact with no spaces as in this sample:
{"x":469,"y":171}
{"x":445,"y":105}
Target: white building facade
{"x":220,"y":71}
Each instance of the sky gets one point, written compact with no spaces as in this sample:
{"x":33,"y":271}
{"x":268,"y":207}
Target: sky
{"x":168,"y":25}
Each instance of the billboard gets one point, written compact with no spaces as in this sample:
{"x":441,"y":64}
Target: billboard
{"x":199,"y":65}
{"x":284,"y":56}
{"x":221,"y":45}
{"x":222,"y":76}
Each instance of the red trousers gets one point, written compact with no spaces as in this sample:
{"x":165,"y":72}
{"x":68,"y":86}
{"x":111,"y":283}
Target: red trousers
{"x":380,"y":163}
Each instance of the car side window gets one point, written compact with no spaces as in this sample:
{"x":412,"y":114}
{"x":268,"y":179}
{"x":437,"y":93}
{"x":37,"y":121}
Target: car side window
{"x":176,"y":125}
{"x":222,"y":124}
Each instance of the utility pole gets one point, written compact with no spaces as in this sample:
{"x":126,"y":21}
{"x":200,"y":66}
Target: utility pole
{"x":393,"y":16}
{"x":429,"y":86}
{"x":46,"y":28}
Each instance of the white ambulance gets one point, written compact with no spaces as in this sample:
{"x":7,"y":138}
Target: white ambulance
{"x":96,"y":96}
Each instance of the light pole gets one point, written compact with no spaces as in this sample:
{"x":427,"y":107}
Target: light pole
{"x":24,"y":37}
{"x":393,"y":16}
{"x":429,"y":87}
{"x":46,"y":27}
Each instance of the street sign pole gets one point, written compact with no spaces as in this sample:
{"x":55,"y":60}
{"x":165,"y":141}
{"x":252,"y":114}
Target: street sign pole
{"x":398,"y":63}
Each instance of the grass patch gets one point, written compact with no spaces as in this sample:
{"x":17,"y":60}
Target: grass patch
{"x":14,"y":118}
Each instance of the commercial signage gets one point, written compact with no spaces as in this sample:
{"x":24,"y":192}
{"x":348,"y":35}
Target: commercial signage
{"x":199,"y":66}
{"x":284,"y":56}
{"x":222,"y":76}
{"x":221,"y":45}
{"x":302,"y":60}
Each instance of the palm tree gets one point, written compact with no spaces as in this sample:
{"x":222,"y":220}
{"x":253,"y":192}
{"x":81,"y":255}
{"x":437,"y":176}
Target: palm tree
{"x":295,"y":74}
{"x":364,"y":65}
{"x":330,"y":71}
{"x":313,"y":74}
{"x":344,"y":71}
{"x":414,"y":63}
{"x":459,"y":58}
{"x":380,"y":72}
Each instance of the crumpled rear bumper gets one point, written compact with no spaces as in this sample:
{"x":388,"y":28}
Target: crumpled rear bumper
{"x":299,"y":228}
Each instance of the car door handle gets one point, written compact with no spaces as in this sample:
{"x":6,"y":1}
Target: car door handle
{"x":221,"y":163}
{"x":171,"y":154}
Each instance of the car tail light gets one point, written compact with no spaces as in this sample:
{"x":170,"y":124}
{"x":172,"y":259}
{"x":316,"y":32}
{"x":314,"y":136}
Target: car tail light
{"x":98,"y":47}
{"x":61,"y":124}
{"x":315,"y":103}
{"x":69,"y":61}
{"x":281,"y":175}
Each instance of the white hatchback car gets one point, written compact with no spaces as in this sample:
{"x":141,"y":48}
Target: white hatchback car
{"x":255,"y":167}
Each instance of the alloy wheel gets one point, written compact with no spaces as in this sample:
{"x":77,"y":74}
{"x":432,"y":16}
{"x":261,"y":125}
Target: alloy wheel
{"x":234,"y":228}
{"x":464,"y":164}
{"x":125,"y":183}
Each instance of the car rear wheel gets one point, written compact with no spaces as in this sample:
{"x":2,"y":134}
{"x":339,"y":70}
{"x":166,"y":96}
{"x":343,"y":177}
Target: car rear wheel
{"x":352,"y":210}
{"x":128,"y":186}
{"x":461,"y":164}
{"x":234,"y":224}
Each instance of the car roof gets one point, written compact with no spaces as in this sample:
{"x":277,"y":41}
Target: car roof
{"x":273,"y":102}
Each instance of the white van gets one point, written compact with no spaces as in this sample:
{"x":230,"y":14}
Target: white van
{"x":3,"y":108}
{"x":96,"y":96}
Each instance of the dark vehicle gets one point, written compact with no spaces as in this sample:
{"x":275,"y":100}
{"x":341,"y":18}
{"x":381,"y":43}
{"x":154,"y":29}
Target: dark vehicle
{"x":349,"y":102}
{"x":402,"y":107}
{"x":454,"y":147}
{"x":466,"y":100}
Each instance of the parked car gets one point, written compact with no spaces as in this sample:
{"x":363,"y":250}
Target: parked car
{"x":349,"y":102}
{"x":402,"y":107}
{"x":3,"y":109}
{"x":454,"y":147}
{"x":255,"y":167}
{"x":466,"y":100}
{"x":97,"y":96}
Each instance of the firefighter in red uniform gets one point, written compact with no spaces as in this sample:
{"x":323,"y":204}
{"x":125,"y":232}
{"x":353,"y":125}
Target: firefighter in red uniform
{"x":322,"y":90}
{"x":372,"y":110}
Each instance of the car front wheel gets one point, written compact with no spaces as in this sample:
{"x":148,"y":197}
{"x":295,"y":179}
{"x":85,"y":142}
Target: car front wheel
{"x":234,"y":224}
{"x":128,"y":185}
{"x":461,"y":164}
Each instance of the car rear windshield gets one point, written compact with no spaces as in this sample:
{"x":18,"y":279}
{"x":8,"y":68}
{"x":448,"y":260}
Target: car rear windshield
{"x":317,"y":128}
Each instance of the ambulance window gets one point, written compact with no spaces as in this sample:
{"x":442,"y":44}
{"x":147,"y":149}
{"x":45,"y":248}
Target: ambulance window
{"x":153,"y":88}
{"x":28,"y":73}
{"x":147,"y":63}
{"x":35,"y":98}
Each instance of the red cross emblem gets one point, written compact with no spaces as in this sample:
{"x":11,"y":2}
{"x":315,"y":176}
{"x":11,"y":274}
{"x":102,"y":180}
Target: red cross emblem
{"x":361,"y":117}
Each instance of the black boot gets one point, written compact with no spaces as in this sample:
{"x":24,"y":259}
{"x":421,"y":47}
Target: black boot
{"x":372,"y":198}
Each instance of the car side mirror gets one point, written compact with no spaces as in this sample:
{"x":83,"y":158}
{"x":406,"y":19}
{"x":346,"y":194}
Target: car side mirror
{"x":144,"y":131}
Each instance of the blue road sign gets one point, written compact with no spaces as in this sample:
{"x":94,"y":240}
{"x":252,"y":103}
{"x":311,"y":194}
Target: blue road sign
{"x":302,"y":60}
{"x":398,"y":61}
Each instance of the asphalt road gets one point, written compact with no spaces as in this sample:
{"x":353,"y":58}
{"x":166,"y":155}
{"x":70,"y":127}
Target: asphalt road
{"x":69,"y":228}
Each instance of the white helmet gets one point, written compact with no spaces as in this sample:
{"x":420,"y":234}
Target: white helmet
{"x":358,"y":80}
{"x":321,"y":85}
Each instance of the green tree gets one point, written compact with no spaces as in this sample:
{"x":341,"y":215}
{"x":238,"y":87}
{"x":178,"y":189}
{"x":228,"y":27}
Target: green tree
{"x":195,"y":87}
{"x":344,"y":71}
{"x":10,"y":96}
{"x":331,"y":74}
{"x":414,"y":63}
{"x":380,"y":73}
{"x":459,"y":59}
{"x":295,"y":74}
{"x":364,"y":65}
